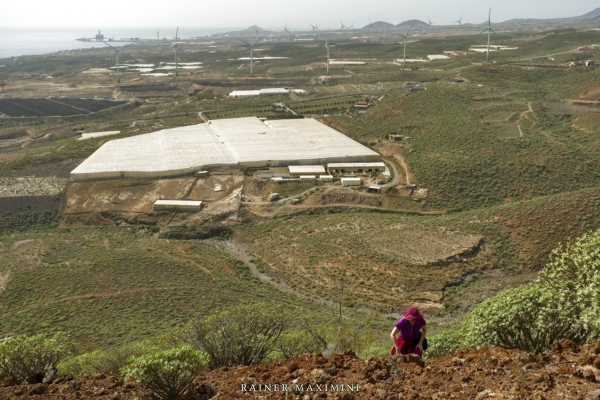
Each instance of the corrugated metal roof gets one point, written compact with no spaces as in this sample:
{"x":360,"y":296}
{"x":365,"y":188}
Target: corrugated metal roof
{"x":356,"y":165}
{"x":306,"y":169}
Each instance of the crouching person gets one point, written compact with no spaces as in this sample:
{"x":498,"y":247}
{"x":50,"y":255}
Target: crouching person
{"x":412,"y":329}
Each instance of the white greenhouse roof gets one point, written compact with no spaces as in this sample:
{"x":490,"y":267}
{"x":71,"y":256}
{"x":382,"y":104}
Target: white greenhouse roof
{"x":229,"y":143}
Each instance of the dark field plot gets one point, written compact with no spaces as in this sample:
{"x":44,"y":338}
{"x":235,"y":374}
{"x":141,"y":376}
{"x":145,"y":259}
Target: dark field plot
{"x":49,"y":107}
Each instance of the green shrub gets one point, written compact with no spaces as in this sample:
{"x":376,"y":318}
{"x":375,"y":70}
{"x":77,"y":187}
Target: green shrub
{"x":240,"y":335}
{"x":573,"y":276}
{"x":27,"y":358}
{"x":111,"y":361}
{"x":445,"y":343}
{"x":528,"y":317}
{"x":108,"y":362}
{"x":168,"y":374}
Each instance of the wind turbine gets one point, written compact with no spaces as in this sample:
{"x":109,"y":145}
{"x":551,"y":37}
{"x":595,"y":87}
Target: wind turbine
{"x":176,"y":60}
{"x":370,"y":27}
{"x":459,"y":22}
{"x":489,"y":31}
{"x":286,"y":31}
{"x":430,"y":23}
{"x":315,"y":27}
{"x":405,"y":35}
{"x":327,"y":47}
{"x":117,"y":50}
{"x":342,"y":28}
{"x":351,"y":27}
{"x":251,"y":56}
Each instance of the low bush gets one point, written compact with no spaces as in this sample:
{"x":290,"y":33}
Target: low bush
{"x":108,"y":362}
{"x":572,"y":275}
{"x":111,"y":361}
{"x":168,"y":374}
{"x":27,"y":358}
{"x":292,"y":344}
{"x":445,"y":343}
{"x":240,"y":335}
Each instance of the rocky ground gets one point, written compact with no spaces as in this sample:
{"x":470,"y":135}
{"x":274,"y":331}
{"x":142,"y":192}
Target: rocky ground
{"x":567,"y":371}
{"x":31,"y":186}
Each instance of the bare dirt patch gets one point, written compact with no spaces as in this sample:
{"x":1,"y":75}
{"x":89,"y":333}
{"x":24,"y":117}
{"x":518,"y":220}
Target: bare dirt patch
{"x":131,"y":201}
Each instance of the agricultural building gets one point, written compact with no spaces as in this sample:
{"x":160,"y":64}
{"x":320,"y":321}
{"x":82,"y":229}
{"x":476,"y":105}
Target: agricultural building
{"x":357,"y":167}
{"x":91,"y":135}
{"x":326,"y":178}
{"x":436,"y":57}
{"x":351,"y":181}
{"x":342,"y":62}
{"x":297,"y":170}
{"x":307,"y":177}
{"x":243,"y":93}
{"x":226,"y":143}
{"x":177,"y":205}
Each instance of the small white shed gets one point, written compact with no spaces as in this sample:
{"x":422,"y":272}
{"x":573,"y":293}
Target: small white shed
{"x":177,"y":205}
{"x":351,"y":181}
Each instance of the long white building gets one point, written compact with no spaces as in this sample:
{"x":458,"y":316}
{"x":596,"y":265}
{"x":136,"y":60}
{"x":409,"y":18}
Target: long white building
{"x":225,"y":143}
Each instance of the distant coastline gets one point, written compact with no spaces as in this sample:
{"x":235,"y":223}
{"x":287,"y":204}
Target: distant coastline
{"x":23,"y":41}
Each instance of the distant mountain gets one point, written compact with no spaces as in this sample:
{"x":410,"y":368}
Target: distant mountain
{"x":253,"y":28}
{"x":590,"y":15}
{"x":535,"y":21}
{"x":248,"y":32}
{"x":379,"y":25}
{"x":418,"y":24}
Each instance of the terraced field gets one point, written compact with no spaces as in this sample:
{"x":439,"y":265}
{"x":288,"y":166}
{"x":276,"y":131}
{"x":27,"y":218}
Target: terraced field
{"x":50,"y":107}
{"x":383,"y":259}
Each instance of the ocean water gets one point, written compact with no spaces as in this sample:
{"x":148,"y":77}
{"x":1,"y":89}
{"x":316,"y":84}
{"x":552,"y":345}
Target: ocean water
{"x":34,"y":40}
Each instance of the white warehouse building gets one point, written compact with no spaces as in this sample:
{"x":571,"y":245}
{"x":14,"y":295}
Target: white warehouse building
{"x":225,"y":143}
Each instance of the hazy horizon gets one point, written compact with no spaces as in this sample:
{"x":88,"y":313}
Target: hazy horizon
{"x":270,"y":14}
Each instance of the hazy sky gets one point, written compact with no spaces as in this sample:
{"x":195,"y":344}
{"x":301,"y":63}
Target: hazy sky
{"x":273,"y":13}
